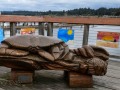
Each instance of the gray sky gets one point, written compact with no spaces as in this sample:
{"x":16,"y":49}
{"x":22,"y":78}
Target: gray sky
{"x":55,"y":5}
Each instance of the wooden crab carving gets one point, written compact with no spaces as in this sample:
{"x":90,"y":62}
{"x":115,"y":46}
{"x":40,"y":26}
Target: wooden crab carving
{"x":34,"y":52}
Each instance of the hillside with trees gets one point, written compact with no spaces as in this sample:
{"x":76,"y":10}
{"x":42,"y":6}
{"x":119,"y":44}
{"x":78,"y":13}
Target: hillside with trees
{"x":75,"y":12}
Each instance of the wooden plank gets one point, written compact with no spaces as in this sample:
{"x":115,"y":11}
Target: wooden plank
{"x":97,"y":87}
{"x":69,"y":19}
{"x":20,"y":18}
{"x":113,"y":73}
{"x":107,"y":79}
{"x":104,"y":83}
{"x":113,"y":67}
{"x":114,"y":63}
{"x":84,"y":20}
{"x":85,"y":35}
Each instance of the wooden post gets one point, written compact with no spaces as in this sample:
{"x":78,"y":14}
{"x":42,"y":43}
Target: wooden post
{"x":41,"y":28}
{"x":85,"y":34}
{"x":80,"y":80}
{"x":1,"y":26}
{"x":50,"y":29}
{"x":12,"y":28}
{"x":22,"y":76}
{"x":3,"y":32}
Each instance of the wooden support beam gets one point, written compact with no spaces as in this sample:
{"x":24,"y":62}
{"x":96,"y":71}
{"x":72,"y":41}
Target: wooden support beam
{"x":12,"y":29}
{"x":85,"y":35}
{"x":80,"y":80}
{"x":41,"y":28}
{"x":50,"y":29}
{"x":22,"y":76}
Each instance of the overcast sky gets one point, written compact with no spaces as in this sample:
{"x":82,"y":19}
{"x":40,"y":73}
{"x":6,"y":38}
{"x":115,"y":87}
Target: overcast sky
{"x":55,"y":5}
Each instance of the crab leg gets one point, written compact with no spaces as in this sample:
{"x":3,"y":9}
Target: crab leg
{"x":46,"y":55}
{"x":13,"y":52}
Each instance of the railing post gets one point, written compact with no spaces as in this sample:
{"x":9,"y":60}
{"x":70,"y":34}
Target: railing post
{"x":41,"y":28}
{"x":50,"y":29}
{"x":12,"y":29}
{"x":85,"y":35}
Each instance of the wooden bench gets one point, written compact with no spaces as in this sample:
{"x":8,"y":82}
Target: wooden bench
{"x":72,"y":78}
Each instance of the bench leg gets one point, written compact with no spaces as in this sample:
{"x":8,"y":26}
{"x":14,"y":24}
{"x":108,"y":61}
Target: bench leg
{"x":80,"y":80}
{"x":22,"y":76}
{"x":66,"y":75}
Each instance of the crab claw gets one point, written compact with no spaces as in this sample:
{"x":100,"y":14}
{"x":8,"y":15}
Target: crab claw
{"x":96,"y":66}
{"x":3,"y":45}
{"x":100,"y":52}
{"x":55,"y":51}
{"x":46,"y":55}
{"x":85,"y":51}
{"x":13,"y":52}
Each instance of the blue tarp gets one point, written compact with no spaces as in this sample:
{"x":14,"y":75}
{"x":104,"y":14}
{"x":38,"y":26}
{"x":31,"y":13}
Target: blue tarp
{"x":1,"y":35}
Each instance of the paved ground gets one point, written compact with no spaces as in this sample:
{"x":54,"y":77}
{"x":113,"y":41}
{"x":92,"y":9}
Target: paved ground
{"x":53,"y":80}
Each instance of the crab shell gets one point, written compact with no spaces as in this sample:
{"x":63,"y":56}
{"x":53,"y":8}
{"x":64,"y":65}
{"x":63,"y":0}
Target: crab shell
{"x":25,"y":41}
{"x":47,"y":47}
